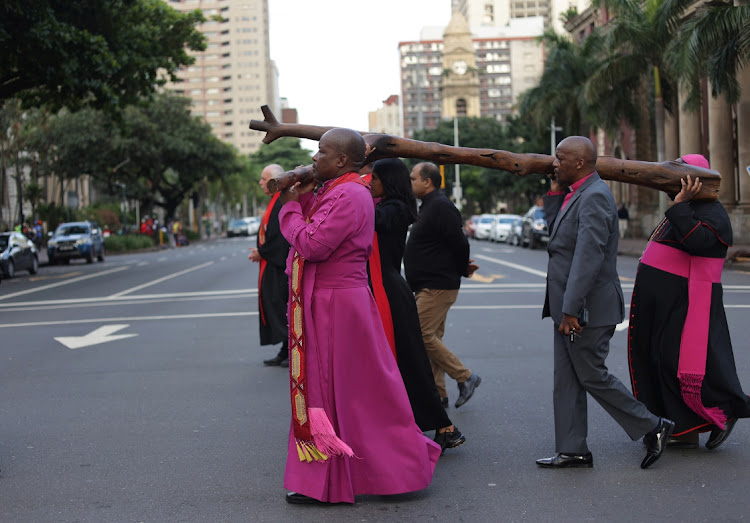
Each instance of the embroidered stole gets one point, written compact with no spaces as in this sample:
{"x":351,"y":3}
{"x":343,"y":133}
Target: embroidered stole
{"x":315,"y":437}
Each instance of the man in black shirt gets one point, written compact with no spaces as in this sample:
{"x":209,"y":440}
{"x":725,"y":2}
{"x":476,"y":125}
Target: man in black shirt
{"x":436,"y":256}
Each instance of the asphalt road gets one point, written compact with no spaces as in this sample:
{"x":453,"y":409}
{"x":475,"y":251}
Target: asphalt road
{"x":169,"y":415}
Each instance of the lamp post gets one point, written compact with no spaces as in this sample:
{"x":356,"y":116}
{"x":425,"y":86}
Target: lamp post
{"x":552,"y":137}
{"x":457,"y":192}
{"x":124,"y":198}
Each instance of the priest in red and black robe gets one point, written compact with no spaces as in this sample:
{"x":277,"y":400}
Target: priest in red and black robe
{"x":271,"y":253}
{"x":680,"y":354}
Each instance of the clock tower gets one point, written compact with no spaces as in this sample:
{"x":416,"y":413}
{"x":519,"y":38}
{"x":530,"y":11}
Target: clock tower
{"x":460,"y":92}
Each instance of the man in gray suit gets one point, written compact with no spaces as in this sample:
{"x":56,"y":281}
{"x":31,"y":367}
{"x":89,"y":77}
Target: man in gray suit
{"x":584,"y":299}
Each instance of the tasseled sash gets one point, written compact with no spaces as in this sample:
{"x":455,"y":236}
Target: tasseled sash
{"x":701,"y":274}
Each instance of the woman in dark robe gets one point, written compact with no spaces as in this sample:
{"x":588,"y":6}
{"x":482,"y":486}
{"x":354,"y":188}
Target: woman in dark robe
{"x":396,"y":210}
{"x":680,"y":354}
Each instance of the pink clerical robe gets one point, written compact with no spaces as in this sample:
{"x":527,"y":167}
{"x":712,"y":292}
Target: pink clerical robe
{"x":351,"y":372}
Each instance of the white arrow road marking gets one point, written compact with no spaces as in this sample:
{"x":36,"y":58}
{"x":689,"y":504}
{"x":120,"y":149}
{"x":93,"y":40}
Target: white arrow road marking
{"x":622,"y":326}
{"x":101,"y":335}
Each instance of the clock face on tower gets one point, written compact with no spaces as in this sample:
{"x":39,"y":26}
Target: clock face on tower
{"x":459,"y":67}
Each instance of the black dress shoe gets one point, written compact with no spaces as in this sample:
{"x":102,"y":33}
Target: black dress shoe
{"x":656,"y":441}
{"x":562,"y":460}
{"x":300,"y":499}
{"x":284,"y":363}
{"x":719,"y":436}
{"x":449,"y":440}
{"x":466,"y":389}
{"x":275,"y":362}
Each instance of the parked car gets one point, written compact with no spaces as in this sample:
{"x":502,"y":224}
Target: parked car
{"x":253,"y":225}
{"x":243,"y":227}
{"x":76,"y":240}
{"x":501,"y":228}
{"x":514,"y":237}
{"x":483,"y":227}
{"x":17,"y":253}
{"x":534,"y":230}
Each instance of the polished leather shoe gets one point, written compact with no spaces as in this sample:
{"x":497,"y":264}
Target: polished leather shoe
{"x":562,"y":460}
{"x":449,"y":440}
{"x":275,"y":362}
{"x":719,"y":436}
{"x":466,"y":389}
{"x":656,"y":442}
{"x":300,"y":499}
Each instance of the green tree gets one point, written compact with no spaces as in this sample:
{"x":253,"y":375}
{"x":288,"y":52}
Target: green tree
{"x":559,"y":95}
{"x":636,"y":42}
{"x":713,"y":42}
{"x":108,"y":54}
{"x":483,"y":188}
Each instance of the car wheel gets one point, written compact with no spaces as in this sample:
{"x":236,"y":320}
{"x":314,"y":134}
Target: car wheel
{"x":65,"y":261}
{"x":101,"y":255}
{"x":90,"y":256}
{"x":34,"y":265}
{"x":11,"y":272}
{"x":533,"y":242}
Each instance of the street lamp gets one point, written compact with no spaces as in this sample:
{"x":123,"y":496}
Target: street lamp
{"x":124,"y":199}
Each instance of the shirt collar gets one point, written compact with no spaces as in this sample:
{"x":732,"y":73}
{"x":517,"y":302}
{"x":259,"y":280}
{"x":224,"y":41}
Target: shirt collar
{"x":577,"y":185}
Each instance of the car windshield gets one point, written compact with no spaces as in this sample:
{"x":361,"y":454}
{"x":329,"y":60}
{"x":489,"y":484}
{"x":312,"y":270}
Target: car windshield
{"x":507,"y":220}
{"x":237,"y":223}
{"x":4,"y":242}
{"x":539,"y":214}
{"x":486,"y":219}
{"x":65,"y":230}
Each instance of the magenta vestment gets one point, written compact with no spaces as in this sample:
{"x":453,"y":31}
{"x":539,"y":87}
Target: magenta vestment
{"x":351,"y":372}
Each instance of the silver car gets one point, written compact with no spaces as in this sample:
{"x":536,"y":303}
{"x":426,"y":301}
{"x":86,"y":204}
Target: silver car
{"x":17,"y":253}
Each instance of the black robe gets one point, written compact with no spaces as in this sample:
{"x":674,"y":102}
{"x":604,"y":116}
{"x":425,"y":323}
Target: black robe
{"x":274,"y":290}
{"x":391,"y":224}
{"x":657,"y":315}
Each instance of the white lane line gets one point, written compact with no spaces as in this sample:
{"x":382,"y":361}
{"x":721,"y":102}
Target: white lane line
{"x":125,"y":301}
{"x":159,"y":280}
{"x":66,"y":282}
{"x":511,"y":265}
{"x":130,"y":318}
{"x":250,"y":291}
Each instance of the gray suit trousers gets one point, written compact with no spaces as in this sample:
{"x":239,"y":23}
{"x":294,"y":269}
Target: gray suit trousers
{"x":580,"y":368}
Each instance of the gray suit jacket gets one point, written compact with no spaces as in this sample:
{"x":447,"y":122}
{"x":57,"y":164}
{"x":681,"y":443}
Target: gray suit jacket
{"x":582,"y":269}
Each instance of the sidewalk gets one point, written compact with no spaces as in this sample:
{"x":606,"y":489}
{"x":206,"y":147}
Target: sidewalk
{"x":738,"y":256}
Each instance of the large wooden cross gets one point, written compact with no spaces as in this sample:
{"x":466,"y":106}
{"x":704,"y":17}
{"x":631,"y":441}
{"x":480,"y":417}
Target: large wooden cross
{"x":663,"y":176}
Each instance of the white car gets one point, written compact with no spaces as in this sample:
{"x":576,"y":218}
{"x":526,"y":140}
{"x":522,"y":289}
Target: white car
{"x":253,"y":224}
{"x":502,"y":227}
{"x":484,"y":226}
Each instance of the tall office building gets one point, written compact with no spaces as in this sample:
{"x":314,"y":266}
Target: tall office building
{"x":499,"y":12}
{"x":235,"y":75}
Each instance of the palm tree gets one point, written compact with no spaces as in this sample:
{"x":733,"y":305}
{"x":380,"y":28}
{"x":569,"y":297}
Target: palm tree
{"x":559,"y":93}
{"x":636,"y":41}
{"x":714,"y":43}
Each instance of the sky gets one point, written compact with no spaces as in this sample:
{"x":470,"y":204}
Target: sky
{"x":338,"y":59}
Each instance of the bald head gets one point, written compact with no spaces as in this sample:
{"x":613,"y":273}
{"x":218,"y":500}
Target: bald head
{"x":575,"y":159}
{"x":268,"y":173}
{"x":340,"y":151}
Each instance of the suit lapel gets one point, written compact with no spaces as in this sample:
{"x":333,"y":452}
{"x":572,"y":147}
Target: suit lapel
{"x":573,"y":199}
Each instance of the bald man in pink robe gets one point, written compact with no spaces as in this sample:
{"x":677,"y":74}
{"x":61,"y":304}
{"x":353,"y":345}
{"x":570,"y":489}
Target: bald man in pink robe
{"x":350,"y":372}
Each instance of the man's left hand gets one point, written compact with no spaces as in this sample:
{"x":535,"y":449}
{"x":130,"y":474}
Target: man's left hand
{"x":472,"y":268}
{"x":254,"y":255}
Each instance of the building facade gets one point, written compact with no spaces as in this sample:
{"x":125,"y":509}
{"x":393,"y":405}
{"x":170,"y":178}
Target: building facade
{"x":387,"y":118}
{"x":235,"y":75}
{"x":500,"y":63}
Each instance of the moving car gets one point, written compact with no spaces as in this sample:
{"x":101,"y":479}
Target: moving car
{"x":483,"y":227}
{"x":17,"y":253}
{"x":501,"y":228}
{"x":76,"y":240}
{"x":534,"y":230}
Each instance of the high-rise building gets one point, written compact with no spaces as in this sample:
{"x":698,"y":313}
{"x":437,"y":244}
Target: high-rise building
{"x":506,"y":61}
{"x":498,"y":12}
{"x":386,"y":119}
{"x":235,"y":75}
